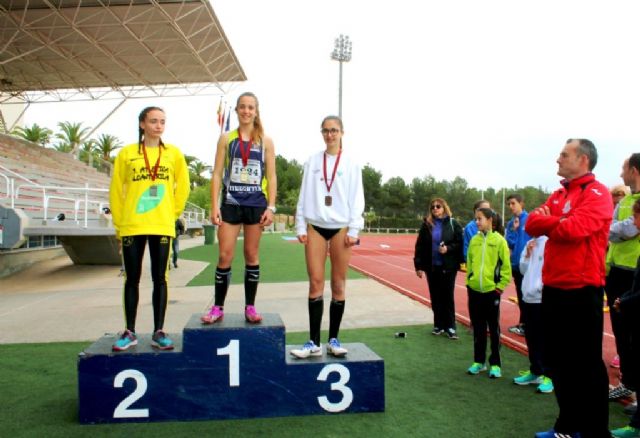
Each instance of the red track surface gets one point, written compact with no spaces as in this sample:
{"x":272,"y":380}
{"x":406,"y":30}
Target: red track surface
{"x":389,"y":260}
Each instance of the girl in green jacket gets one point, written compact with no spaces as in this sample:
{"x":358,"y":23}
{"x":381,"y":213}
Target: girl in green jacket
{"x":488,"y":273}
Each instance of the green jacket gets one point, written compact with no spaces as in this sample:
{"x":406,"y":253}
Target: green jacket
{"x":488,"y":263}
{"x":623,"y":250}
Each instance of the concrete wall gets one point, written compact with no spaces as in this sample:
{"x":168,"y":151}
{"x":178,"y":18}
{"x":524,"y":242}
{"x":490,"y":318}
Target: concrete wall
{"x":14,"y":261}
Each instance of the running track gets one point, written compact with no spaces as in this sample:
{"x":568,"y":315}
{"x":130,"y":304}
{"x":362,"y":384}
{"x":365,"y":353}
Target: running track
{"x":388,"y":259}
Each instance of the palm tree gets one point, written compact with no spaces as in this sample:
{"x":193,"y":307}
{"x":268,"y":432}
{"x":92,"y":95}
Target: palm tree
{"x":72,"y":135}
{"x":35,"y":134}
{"x":106,"y":144}
{"x":196,"y":169}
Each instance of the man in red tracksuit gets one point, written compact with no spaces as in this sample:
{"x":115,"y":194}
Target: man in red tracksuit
{"x":576,"y":218}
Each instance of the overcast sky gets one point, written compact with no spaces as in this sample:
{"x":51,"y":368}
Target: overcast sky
{"x":488,"y":91}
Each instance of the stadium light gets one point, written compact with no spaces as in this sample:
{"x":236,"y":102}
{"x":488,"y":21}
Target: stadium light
{"x":341,"y":53}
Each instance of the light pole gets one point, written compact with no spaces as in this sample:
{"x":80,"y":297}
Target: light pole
{"x":341,"y":53}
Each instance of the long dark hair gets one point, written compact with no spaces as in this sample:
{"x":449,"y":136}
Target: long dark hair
{"x":496,"y":220}
{"x":141,"y":118}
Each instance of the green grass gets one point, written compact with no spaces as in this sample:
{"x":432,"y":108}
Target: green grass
{"x":428,"y":394}
{"x":281,"y":261}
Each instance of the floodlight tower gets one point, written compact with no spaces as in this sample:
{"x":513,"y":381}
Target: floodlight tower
{"x":341,"y":53}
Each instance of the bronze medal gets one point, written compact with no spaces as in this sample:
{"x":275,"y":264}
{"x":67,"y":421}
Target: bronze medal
{"x":328,"y":200}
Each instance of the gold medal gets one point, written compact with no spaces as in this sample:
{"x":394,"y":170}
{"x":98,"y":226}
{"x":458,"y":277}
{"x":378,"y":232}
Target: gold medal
{"x":244,"y":176}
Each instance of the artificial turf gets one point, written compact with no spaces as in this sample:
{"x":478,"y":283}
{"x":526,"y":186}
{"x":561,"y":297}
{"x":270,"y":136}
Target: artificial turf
{"x":281,"y":261}
{"x":428,"y":394}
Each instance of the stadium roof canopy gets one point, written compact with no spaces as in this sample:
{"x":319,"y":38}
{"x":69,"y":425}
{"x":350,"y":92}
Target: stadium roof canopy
{"x":58,"y":50}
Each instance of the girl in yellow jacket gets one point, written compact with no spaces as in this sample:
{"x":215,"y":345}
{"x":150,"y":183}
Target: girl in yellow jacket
{"x":149,"y":189}
{"x":488,"y":273}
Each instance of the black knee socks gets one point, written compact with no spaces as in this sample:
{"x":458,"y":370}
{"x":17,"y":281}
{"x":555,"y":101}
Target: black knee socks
{"x":251,"y":279}
{"x":316,"y":306}
{"x":336,"y":310}
{"x":222,"y":280}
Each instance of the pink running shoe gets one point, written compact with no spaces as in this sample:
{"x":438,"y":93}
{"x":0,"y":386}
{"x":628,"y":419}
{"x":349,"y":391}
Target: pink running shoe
{"x":251,"y":315}
{"x":214,"y":315}
{"x":615,"y":362}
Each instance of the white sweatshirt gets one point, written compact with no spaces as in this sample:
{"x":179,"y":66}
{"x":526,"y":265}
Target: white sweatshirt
{"x":531,"y":268}
{"x":347,"y":195}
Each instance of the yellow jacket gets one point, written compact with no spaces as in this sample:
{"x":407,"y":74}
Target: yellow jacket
{"x":140,"y":206}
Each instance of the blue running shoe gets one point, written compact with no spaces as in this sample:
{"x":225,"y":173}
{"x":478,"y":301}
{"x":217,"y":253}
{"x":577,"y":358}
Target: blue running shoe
{"x":495,"y":372}
{"x":626,"y":432}
{"x":545,"y":386}
{"x":553,"y":434}
{"x":476,"y":368}
{"x":127,"y":339}
{"x":308,"y":349}
{"x":527,"y":378}
{"x":161,"y":341}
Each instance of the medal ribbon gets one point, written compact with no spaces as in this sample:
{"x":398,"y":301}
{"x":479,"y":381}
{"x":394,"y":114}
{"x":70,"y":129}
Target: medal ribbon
{"x":153,"y":174}
{"x":244,"y":153}
{"x":335,"y":169}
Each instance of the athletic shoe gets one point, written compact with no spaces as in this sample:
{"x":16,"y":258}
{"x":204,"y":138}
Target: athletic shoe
{"x":517,"y":330}
{"x":127,"y":339}
{"x":451,"y":333}
{"x":308,"y":349}
{"x":335,"y":349}
{"x":546,"y":386}
{"x":615,"y":362}
{"x":553,"y":434}
{"x":161,"y":341}
{"x":495,"y":372}
{"x":631,"y":408}
{"x":476,"y":368}
{"x":619,"y":391}
{"x":214,"y":315}
{"x":626,"y":432}
{"x":251,"y":315}
{"x":527,"y":378}
{"x":437,"y":331}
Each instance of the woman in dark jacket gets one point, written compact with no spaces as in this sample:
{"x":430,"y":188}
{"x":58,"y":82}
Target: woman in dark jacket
{"x":438,"y":254}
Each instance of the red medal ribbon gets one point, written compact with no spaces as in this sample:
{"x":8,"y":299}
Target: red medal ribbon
{"x":153,"y":174}
{"x":335,"y":169}
{"x":244,"y":153}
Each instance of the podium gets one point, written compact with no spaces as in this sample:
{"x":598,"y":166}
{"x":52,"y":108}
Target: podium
{"x":231,"y":369}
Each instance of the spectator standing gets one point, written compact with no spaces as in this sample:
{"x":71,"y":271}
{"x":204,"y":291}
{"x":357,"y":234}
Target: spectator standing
{"x":438,"y":253}
{"x":488,"y":273}
{"x":622,"y":257}
{"x":628,"y":305}
{"x":576,"y":218}
{"x":517,"y":239}
{"x":531,"y":262}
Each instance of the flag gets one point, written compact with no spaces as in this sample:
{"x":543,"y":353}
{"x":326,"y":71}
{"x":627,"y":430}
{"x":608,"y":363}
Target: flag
{"x":226,"y":128}
{"x":220,"y":113}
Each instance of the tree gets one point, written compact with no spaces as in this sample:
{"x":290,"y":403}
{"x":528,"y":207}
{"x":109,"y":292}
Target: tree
{"x":289,"y":180}
{"x":196,"y":169}
{"x":106,"y":144}
{"x":372,"y":184}
{"x":35,"y":134}
{"x":397,"y":198}
{"x":72,"y":135}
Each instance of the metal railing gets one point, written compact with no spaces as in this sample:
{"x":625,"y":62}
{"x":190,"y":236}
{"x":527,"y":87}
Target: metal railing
{"x":82,"y":199}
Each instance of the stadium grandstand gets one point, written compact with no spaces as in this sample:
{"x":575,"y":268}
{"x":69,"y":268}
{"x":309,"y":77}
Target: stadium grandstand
{"x":56,"y":51}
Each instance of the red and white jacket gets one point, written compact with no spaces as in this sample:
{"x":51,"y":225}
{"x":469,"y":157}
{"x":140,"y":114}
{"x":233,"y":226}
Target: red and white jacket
{"x":578,"y":231}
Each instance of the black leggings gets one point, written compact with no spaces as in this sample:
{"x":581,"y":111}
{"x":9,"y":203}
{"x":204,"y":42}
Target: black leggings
{"x":132,"y":253}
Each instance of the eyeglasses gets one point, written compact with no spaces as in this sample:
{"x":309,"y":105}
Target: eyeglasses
{"x":332,"y":131}
{"x":436,"y":206}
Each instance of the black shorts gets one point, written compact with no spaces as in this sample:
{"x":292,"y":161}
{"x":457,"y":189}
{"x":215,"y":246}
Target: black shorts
{"x":327,"y":233}
{"x":237,"y":214}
